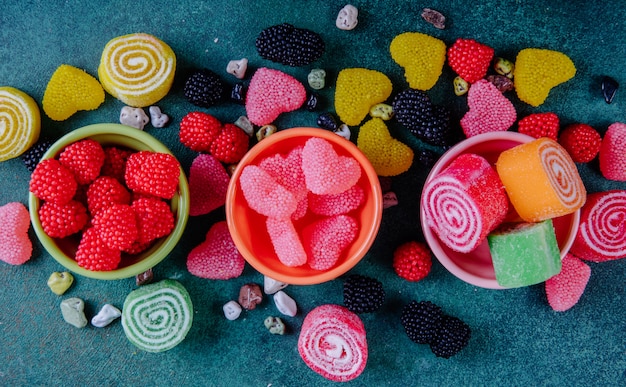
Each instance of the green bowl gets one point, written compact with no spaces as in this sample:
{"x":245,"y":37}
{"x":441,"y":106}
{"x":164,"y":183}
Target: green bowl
{"x":63,"y":250}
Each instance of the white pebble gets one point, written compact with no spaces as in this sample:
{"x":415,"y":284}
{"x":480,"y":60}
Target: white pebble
{"x":237,"y":68}
{"x":232,"y":310}
{"x":106,"y":316}
{"x":347,"y":18}
{"x":244,"y":123}
{"x":134,"y":117}
{"x":157,"y":118}
{"x":271,"y":286}
{"x":285,"y":304}
{"x":344,"y":131}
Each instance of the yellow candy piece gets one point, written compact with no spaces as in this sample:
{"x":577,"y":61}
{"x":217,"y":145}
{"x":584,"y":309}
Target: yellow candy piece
{"x":388,"y":156}
{"x":138,"y":69}
{"x":421,"y":56}
{"x":541,"y":180}
{"x":69,"y":90}
{"x":20,"y":122}
{"x":537,"y":71}
{"x":357,"y":90}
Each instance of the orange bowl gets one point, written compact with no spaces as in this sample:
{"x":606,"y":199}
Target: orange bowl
{"x":248,"y":229}
{"x":476,"y":267}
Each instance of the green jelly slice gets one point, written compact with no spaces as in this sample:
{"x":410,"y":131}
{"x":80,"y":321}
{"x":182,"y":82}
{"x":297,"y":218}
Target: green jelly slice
{"x":524,"y":254}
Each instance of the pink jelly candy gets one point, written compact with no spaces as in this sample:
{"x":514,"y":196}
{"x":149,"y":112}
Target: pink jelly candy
{"x":208,"y":183}
{"x":337,"y":204}
{"x":15,"y":246}
{"x":325,"y":240}
{"x":287,"y":171}
{"x":333,"y":343}
{"x":265,"y":195}
{"x":601,"y":233}
{"x":286,"y":242}
{"x":565,"y":289}
{"x":217,"y":257}
{"x":270,"y":93}
{"x":489,"y":110}
{"x":325,"y":171}
{"x":613,"y":152}
{"x":465,"y":202}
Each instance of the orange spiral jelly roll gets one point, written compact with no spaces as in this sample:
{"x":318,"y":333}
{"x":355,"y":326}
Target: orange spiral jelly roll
{"x":541,"y":180}
{"x":137,"y":69}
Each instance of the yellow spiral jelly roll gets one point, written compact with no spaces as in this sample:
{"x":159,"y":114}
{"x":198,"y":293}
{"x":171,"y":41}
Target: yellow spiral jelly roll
{"x":20,"y":122}
{"x":541,"y":180}
{"x":138,"y":69}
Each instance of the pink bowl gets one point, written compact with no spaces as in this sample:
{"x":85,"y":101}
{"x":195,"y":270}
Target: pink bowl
{"x":476,"y":267}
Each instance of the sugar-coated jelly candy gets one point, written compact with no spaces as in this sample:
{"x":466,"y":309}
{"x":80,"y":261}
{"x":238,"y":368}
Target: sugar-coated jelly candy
{"x":465,"y":202}
{"x":524,"y":253}
{"x":541,"y":180}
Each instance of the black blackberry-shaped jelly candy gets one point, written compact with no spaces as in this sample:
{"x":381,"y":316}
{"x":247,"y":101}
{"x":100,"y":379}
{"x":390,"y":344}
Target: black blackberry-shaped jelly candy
{"x":204,"y":88}
{"x":452,"y":336}
{"x":32,"y":156}
{"x":289,"y":45}
{"x":363,"y":294}
{"x":415,"y":111}
{"x":327,"y":121}
{"x":421,"y":320}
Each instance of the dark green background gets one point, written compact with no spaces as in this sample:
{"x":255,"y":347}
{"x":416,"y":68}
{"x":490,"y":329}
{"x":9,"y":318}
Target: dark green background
{"x":517,"y":338}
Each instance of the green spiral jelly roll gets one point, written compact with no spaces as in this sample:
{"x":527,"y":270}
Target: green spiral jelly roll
{"x":157,"y":317}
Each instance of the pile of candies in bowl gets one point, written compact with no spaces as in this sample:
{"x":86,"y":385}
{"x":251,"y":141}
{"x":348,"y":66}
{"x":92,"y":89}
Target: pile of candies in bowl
{"x":108,"y":201}
{"x":500,"y":210}
{"x":304,"y":206}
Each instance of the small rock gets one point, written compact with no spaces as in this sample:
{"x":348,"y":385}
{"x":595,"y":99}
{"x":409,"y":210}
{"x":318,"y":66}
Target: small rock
{"x":327,"y":121}
{"x":250,"y":296}
{"x":317,"y":79}
{"x":385,"y":183}
{"x":106,"y":316}
{"x":73,"y":311}
{"x":504,"y":67}
{"x":501,"y":82}
{"x":382,"y":110}
{"x":285,"y":304}
{"x":232,"y":310}
{"x":271,"y":286}
{"x":435,"y":18}
{"x":60,"y":282}
{"x":347,"y":18}
{"x":390,"y":199}
{"x":461,"y":86}
{"x":311,"y":102}
{"x":265,"y":131}
{"x":343,"y":131}
{"x":238,"y":93}
{"x":144,"y":278}
{"x":244,"y":123}
{"x":609,"y":88}
{"x":238,"y":68}
{"x":275,"y":325}
{"x":134,"y":117}
{"x":158,"y":119}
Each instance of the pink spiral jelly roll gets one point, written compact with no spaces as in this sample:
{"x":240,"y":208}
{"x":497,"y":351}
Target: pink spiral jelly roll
{"x":601,"y":234}
{"x":541,"y":180}
{"x":465,"y":202}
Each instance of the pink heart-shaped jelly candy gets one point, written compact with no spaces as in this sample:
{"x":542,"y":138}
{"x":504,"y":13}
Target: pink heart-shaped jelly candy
{"x":325,"y":171}
{"x":208,"y":183}
{"x":217,"y":257}
{"x":287,"y":171}
{"x":270,"y":93}
{"x":489,"y":110}
{"x":15,"y":246}
{"x":325,"y":240}
{"x":265,"y":195}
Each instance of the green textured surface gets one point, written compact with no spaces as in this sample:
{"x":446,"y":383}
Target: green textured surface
{"x":525,"y":255}
{"x":517,"y":339}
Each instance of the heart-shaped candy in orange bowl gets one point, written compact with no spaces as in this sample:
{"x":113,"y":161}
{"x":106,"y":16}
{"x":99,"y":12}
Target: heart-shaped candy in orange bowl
{"x":249,"y":228}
